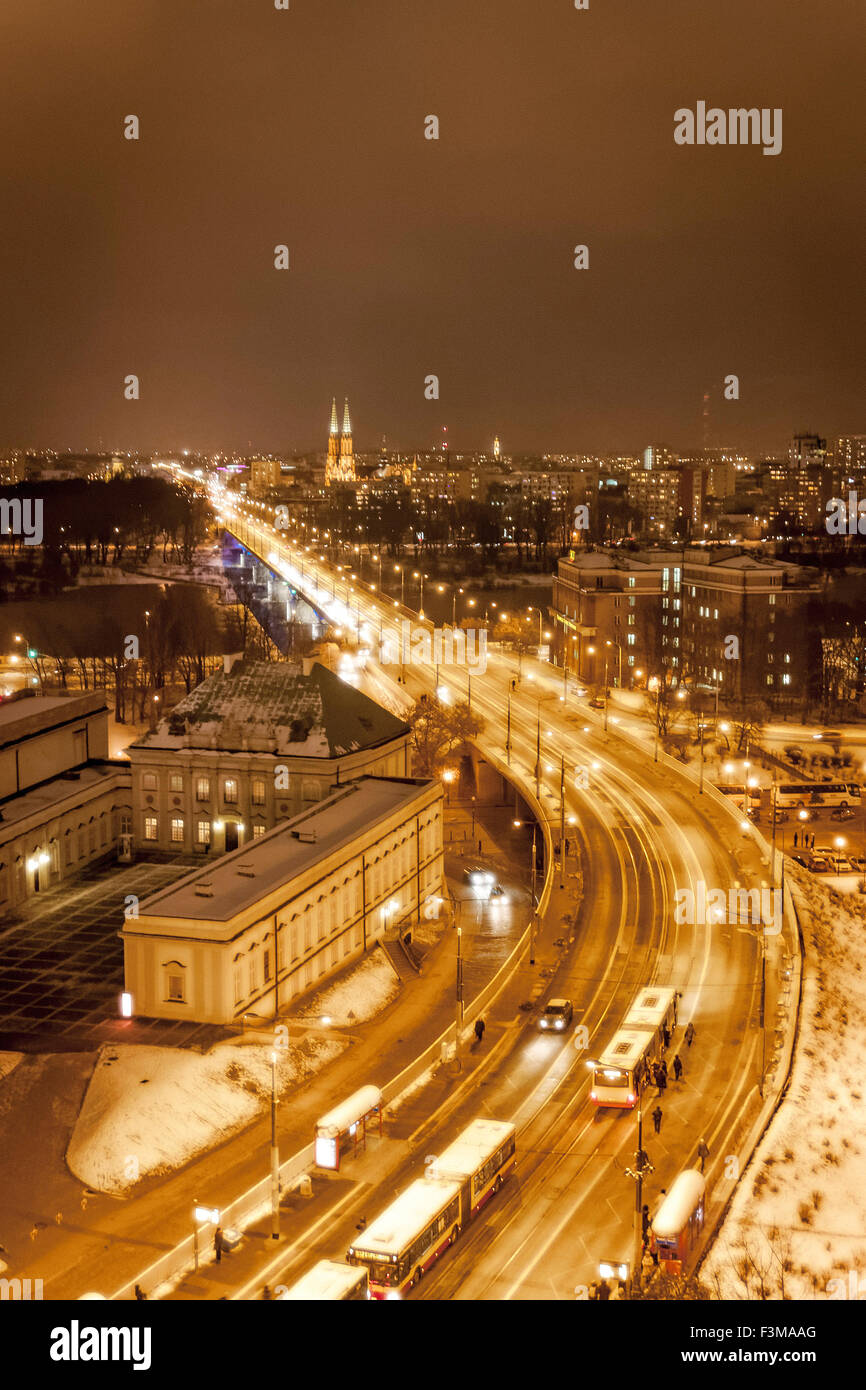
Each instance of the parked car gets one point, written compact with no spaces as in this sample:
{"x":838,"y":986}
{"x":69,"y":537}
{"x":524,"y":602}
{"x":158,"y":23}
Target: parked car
{"x":842,"y":813}
{"x":819,"y":865}
{"x":596,"y":702}
{"x":557,"y":1016}
{"x":801,"y":859}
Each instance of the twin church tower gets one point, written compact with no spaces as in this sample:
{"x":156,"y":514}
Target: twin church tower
{"x":340,"y":467}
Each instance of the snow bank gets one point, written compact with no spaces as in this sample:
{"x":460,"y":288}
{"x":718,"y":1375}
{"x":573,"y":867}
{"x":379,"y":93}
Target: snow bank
{"x":8,"y":1062}
{"x":151,"y":1109}
{"x":359,"y":995}
{"x":798,"y":1218}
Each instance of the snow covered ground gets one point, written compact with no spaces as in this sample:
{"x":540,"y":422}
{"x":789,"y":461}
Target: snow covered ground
{"x":361,"y":993}
{"x":151,"y":1109}
{"x":797,"y":1225}
{"x":8,"y":1062}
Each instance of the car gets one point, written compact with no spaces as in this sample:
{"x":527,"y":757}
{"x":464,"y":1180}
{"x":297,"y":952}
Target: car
{"x":557,"y":1016}
{"x":474,"y":873}
{"x":793,"y":751}
{"x":801,"y":860}
{"x":842,"y":813}
{"x":596,"y":702}
{"x":859,"y":862}
{"x":819,"y":865}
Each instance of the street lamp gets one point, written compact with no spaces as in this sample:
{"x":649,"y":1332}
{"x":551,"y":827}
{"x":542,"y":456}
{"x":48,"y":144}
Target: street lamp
{"x":610,"y":643}
{"x":275,"y":1154}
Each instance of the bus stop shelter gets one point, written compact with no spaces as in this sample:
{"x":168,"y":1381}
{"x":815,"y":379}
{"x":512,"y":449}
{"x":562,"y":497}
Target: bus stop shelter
{"x":344,"y":1128}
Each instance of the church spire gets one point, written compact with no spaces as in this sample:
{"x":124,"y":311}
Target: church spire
{"x":334,"y":428}
{"x":347,"y":424}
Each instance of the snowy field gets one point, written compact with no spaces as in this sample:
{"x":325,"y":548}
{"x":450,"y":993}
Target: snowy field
{"x":797,"y":1225}
{"x":361,"y":994}
{"x":149,"y":1110}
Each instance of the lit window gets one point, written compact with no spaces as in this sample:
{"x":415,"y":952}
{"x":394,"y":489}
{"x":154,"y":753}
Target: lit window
{"x":177,"y":829}
{"x":175,"y":782}
{"x":258,"y":795}
{"x":202,"y":832}
{"x":231,"y":789}
{"x":202,"y":789}
{"x":258,"y":831}
{"x":150,"y":827}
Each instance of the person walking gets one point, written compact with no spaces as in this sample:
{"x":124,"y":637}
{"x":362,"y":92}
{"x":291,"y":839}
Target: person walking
{"x":678,"y":1067}
{"x":619,"y":1291}
{"x":140,"y":1295}
{"x":592,"y":1292}
{"x":703,"y":1153}
{"x":795,"y":839}
{"x":218,"y":1243}
{"x":479,"y":1029}
{"x":666,"y":1034}
{"x":662,"y":1080}
{"x":657,"y":1118}
{"x":664,"y":1066}
{"x":645,"y":1224}
{"x":690,"y":1034}
{"x":603,"y":1291}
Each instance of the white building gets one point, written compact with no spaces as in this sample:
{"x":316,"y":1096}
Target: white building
{"x":252,"y":931}
{"x":252,"y":746}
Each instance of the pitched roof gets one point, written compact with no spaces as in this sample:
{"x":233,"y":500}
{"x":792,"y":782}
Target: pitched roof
{"x":274,"y":707}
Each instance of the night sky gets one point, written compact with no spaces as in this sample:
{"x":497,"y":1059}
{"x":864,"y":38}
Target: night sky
{"x":411,"y":256}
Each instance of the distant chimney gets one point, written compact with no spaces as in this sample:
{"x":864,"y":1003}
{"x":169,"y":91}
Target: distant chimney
{"x":229,"y":660}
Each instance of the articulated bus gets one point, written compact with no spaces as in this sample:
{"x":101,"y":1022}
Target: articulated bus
{"x":329,"y":1281}
{"x":818,"y":794}
{"x":408,"y":1237}
{"x":623,"y":1069}
{"x":480,"y":1160}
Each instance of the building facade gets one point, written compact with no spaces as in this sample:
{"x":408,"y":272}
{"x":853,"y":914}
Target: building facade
{"x":63,"y":804}
{"x":252,"y":746}
{"x":254,"y":931}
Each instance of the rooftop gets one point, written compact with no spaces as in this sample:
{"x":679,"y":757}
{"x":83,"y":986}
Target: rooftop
{"x":273,"y":707}
{"x":21,"y":717}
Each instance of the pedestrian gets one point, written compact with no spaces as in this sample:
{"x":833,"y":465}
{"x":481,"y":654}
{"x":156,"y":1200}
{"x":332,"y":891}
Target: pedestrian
{"x":592,"y":1292}
{"x":141,"y":1296}
{"x":479,"y":1029}
{"x":795,"y":839}
{"x":664,"y":1066}
{"x":678,"y":1067}
{"x":656,"y":1073}
{"x":812,"y":843}
{"x":619,"y":1291}
{"x":218,"y":1243}
{"x":603,"y":1291}
{"x":703,"y":1153}
{"x":690,"y":1035}
{"x":657,"y":1118}
{"x":667,"y":1037}
{"x":662,"y":1080}
{"x":266,"y":1294}
{"x":645,"y":1223}
{"x":479,"y":846}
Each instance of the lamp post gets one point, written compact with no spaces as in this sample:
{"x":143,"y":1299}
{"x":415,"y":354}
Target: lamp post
{"x":562,"y":822}
{"x":610,"y":643}
{"x":275,"y":1155}
{"x":458,"y":1009}
{"x":508,"y":732}
{"x":605,"y":690}
{"x":532,"y":901}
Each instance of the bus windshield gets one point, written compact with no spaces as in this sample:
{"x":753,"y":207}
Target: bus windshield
{"x":605,"y":1077}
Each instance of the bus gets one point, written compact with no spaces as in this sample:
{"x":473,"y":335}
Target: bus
{"x":818,"y":794}
{"x":622,"y":1070}
{"x":408,"y":1237}
{"x":329,"y":1281}
{"x":679,"y":1221}
{"x":655,"y":1009}
{"x":480,"y":1160}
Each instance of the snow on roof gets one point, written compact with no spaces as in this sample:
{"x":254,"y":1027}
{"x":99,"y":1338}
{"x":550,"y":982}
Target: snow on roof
{"x":338,"y":1120}
{"x":649,"y":1009}
{"x":687,"y":1190}
{"x":219,"y":891}
{"x":625,"y":1047}
{"x":326,"y":1280}
{"x":398,"y":1224}
{"x":478,"y":1142}
{"x":273,"y":707}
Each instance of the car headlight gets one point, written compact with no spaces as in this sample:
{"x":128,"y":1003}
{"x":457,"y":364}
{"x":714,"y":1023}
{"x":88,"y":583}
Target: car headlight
{"x":560,"y":1023}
